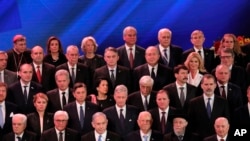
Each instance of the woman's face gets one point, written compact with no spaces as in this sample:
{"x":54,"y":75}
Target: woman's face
{"x":103,"y":87}
{"x":89,"y":47}
{"x":54,"y":46}
{"x":228,"y":42}
{"x":194,"y":64}
{"x":40,"y":104}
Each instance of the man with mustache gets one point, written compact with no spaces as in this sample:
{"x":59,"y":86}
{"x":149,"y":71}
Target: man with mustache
{"x":205,"y":109}
{"x":180,"y":92}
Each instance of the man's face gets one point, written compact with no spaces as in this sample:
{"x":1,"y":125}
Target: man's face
{"x":179,"y":125}
{"x":111,"y":58}
{"x":80,"y":94}
{"x":18,"y":125}
{"x":222,"y":74}
{"x":72,"y":56}
{"x":120,"y":99}
{"x":162,"y":100}
{"x":221,"y":127}
{"x":152,"y":56}
{"x":3,"y":93}
{"x":197,"y":39}
{"x":181,"y":76}
{"x":3,"y":61}
{"x":144,"y":122}
{"x":62,"y":82}
{"x":37,"y":55}
{"x":130,"y":37}
{"x":20,"y":46}
{"x":60,"y":122}
{"x":208,"y":86}
{"x":25,"y":73}
{"x":164,"y":38}
{"x":145,"y":89}
{"x":226,"y":59}
{"x":100,"y":124}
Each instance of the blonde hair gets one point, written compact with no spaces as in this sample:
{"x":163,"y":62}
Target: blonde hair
{"x":197,"y":56}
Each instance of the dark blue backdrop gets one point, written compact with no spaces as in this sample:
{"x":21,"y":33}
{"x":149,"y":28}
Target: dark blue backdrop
{"x":71,"y":20}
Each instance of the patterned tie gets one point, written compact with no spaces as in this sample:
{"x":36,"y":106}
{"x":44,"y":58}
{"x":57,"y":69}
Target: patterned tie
{"x":145,"y":138}
{"x":81,"y":117}
{"x":182,"y":97}
{"x":60,"y":136}
{"x":38,"y":74}
{"x":25,"y":94}
{"x":209,"y":108}
{"x":165,"y":58}
{"x":112,"y":77}
{"x":163,"y":122}
{"x":1,"y":117}
{"x":131,"y":58}
{"x":153,"y":73}
{"x":122,"y":120}
{"x":63,"y":99}
{"x":145,"y":105}
{"x":223,"y":93}
{"x":73,"y":76}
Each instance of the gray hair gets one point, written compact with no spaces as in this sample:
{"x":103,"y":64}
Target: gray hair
{"x":62,"y":72}
{"x":20,"y":116}
{"x":63,"y":113}
{"x":121,"y":89}
{"x":147,"y":80}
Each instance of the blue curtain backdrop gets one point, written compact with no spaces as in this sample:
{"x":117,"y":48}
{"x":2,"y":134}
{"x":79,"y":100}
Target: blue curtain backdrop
{"x":71,"y":20}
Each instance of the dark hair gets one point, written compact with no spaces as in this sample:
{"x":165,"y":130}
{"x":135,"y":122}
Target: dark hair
{"x":59,"y":44}
{"x":208,"y":76}
{"x":179,"y":67}
{"x":79,"y":85}
{"x":111,"y":49}
{"x":228,"y":50}
{"x":163,"y":91}
{"x":2,"y":84}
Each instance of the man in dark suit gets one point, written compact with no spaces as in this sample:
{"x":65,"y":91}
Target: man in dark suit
{"x":80,"y":111}
{"x":100,"y":123}
{"x":78,"y":72}
{"x":161,"y":74}
{"x":204,"y":109}
{"x":130,"y":54}
{"x":21,"y":92}
{"x":145,"y":98}
{"x":8,"y":108}
{"x":6,"y":76}
{"x":145,"y":132}
{"x":229,"y":91}
{"x":121,"y":117}
{"x":197,"y":39}
{"x":19,"y":54}
{"x":221,"y":126}
{"x":60,"y":132}
{"x":180,"y":92}
{"x":62,"y":95}
{"x":160,"y":114}
{"x":116,"y":74}
{"x":43,"y":72}
{"x":170,"y":54}
{"x":19,"y":122}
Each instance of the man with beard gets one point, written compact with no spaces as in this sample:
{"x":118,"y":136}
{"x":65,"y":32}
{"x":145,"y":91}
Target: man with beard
{"x":180,"y":92}
{"x":205,"y":109}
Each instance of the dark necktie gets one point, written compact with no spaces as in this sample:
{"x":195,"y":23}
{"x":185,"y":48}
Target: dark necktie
{"x":182,"y":97}
{"x":63,"y":99}
{"x":122,"y":120}
{"x":131,"y":58}
{"x":60,"y":136}
{"x":222,"y":140}
{"x":209,"y":108}
{"x":25,"y":94}
{"x":19,"y":138}
{"x":73,"y":76}
{"x":180,"y":138}
{"x":1,"y":117}
{"x":153,"y":73}
{"x":199,"y":53}
{"x":38,"y":74}
{"x":145,"y":105}
{"x":223,"y":92}
{"x":112,"y":77}
{"x":163,"y":122}
{"x":81,"y":117}
{"x":165,"y":58}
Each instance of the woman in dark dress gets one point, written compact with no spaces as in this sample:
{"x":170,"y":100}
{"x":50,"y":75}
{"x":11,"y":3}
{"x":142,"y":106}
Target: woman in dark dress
{"x":40,"y":120}
{"x":55,"y":54}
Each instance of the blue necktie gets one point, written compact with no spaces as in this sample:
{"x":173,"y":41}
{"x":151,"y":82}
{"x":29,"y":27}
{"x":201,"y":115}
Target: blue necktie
{"x":1,"y":116}
{"x":122,"y":120}
{"x":165,"y":58}
{"x":145,"y":138}
{"x":209,"y":108}
{"x":100,"y":138}
{"x":81,"y":116}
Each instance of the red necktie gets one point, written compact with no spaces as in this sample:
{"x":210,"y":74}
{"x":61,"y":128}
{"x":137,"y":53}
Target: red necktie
{"x":131,"y":58}
{"x":38,"y":74}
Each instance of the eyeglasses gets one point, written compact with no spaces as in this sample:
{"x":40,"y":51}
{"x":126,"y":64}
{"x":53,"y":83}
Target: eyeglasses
{"x":61,"y":120}
{"x":225,"y":57}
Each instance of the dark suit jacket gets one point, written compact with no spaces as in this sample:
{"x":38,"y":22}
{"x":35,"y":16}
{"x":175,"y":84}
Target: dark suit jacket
{"x":33,"y":122}
{"x":54,"y":100}
{"x":48,"y":76}
{"x":83,"y":74}
{"x":241,"y":118}
{"x":114,"y":122}
{"x":135,"y":136}
{"x":111,"y":136}
{"x":199,"y":120}
{"x":163,"y":77}
{"x":208,"y":58}
{"x":10,"y":110}
{"x":157,"y":122}
{"x":27,"y":136}
{"x":9,"y":77}
{"x":122,"y":76}
{"x":136,"y":100}
{"x":50,"y":135}
{"x":175,"y":56}
{"x":188,"y":136}
{"x":234,"y":96}
{"x":74,"y":121}
{"x":174,"y":97}
{"x":214,"y":138}
{"x":139,"y":57}
{"x":15,"y":95}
